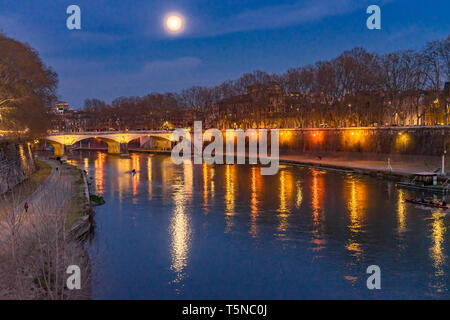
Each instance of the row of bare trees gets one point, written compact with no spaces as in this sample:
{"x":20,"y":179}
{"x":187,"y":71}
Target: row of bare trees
{"x":149,"y":112}
{"x":356,"y":88}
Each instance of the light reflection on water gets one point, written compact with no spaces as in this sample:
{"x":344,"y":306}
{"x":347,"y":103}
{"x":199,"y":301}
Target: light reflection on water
{"x":356,"y":193}
{"x":180,"y":229}
{"x":317,"y":206}
{"x":204,"y":231}
{"x":401,"y":211}
{"x":230,"y":179}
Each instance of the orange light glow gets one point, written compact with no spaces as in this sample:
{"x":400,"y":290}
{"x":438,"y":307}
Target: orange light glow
{"x":317,"y":190}
{"x":99,"y":172}
{"x":230,"y":178}
{"x":256,"y":182}
{"x":356,"y":195}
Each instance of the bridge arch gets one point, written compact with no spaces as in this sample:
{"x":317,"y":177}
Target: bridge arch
{"x":117,"y":142}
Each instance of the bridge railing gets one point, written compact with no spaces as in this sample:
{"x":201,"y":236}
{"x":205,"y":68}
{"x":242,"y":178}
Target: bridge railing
{"x":110,"y":132}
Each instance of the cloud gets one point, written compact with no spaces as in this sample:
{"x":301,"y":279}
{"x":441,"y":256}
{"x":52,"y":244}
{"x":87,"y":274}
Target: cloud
{"x":277,"y":16}
{"x":96,"y":37}
{"x":182,"y":63}
{"x":280,"y":14}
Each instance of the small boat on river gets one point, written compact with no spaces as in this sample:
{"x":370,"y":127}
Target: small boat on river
{"x":427,"y":181}
{"x":428,"y":203}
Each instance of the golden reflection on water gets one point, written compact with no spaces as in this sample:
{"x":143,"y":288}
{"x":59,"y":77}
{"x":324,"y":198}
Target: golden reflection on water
{"x":205,"y":187}
{"x":136,"y":165}
{"x":256,"y":184}
{"x":188,"y":177}
{"x":299,"y":196}
{"x":99,"y":165}
{"x":356,"y":197}
{"x":282,"y":193}
{"x":437,"y":255}
{"x":180,"y":228}
{"x":149,"y":177}
{"x":317,"y":192}
{"x":230,"y":178}
{"x":167,"y":175}
{"x":285,"y":194}
{"x":123,"y":168}
{"x":317,"y":195}
{"x":208,"y":186}
{"x":213,"y":186}
{"x":401,"y":211}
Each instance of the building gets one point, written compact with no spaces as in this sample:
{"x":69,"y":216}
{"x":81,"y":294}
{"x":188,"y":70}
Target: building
{"x":61,"y":107}
{"x":67,"y":120}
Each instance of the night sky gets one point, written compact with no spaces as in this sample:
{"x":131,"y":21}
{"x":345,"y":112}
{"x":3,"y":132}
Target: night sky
{"x":123,"y":49}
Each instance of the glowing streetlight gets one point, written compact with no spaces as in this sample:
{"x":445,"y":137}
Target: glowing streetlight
{"x":443,"y":163}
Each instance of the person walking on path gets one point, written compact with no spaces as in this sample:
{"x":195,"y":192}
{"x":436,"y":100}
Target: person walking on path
{"x":389,"y":167}
{"x":25,"y":206}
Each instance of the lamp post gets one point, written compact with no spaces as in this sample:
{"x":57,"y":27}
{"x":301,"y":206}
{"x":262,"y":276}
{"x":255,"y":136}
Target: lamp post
{"x":443,"y":163}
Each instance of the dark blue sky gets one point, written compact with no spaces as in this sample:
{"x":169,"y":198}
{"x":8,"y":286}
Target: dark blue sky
{"x":122,"y":49}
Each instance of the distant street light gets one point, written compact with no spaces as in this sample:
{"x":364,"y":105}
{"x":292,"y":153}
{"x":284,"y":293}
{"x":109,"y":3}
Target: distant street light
{"x":443,"y":163}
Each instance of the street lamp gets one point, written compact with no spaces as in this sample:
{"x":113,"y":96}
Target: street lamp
{"x":443,"y":163}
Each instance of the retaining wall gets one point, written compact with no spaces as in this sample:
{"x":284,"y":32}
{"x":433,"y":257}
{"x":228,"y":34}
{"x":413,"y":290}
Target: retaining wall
{"x":16,"y":164}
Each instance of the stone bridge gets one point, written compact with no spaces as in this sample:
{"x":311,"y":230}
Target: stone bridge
{"x":117,"y":141}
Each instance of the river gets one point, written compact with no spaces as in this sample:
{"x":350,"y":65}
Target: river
{"x":227,"y":232}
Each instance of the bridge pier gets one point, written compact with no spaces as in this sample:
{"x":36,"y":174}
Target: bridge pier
{"x":58,"y":149}
{"x":124,"y":148}
{"x":162,"y":144}
{"x":113,"y":146}
{"x":155,"y":143}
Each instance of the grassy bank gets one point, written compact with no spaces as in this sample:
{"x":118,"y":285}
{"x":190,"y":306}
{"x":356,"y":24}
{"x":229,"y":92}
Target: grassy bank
{"x":78,"y":204}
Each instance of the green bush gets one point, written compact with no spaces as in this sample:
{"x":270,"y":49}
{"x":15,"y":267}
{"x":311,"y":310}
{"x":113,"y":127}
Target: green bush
{"x":97,"y":199}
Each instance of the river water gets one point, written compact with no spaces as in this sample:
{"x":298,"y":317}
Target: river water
{"x":227,"y":232}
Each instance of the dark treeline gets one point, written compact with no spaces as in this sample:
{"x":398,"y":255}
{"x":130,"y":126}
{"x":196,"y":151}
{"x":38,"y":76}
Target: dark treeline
{"x":356,"y":88}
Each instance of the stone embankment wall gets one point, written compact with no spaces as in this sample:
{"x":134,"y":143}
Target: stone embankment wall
{"x":429,"y":141}
{"x":16,"y":164}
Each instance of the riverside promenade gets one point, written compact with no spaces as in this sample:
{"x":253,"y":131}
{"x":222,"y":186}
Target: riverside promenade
{"x":36,"y":200}
{"x":53,"y":208}
{"x":400,"y":165}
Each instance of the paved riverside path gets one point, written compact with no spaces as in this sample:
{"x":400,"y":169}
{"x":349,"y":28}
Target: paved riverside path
{"x":400,"y":165}
{"x":50,"y":196}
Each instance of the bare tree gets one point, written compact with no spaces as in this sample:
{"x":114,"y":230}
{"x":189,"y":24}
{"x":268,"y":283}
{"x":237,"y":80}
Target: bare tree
{"x":27,"y":88}
{"x":37,"y":247}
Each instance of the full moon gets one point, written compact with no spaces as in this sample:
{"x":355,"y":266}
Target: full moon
{"x":174,"y":23}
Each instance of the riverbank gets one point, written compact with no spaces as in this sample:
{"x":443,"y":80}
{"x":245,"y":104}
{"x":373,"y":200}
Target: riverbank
{"x":39,"y":242}
{"x":400,"y":167}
